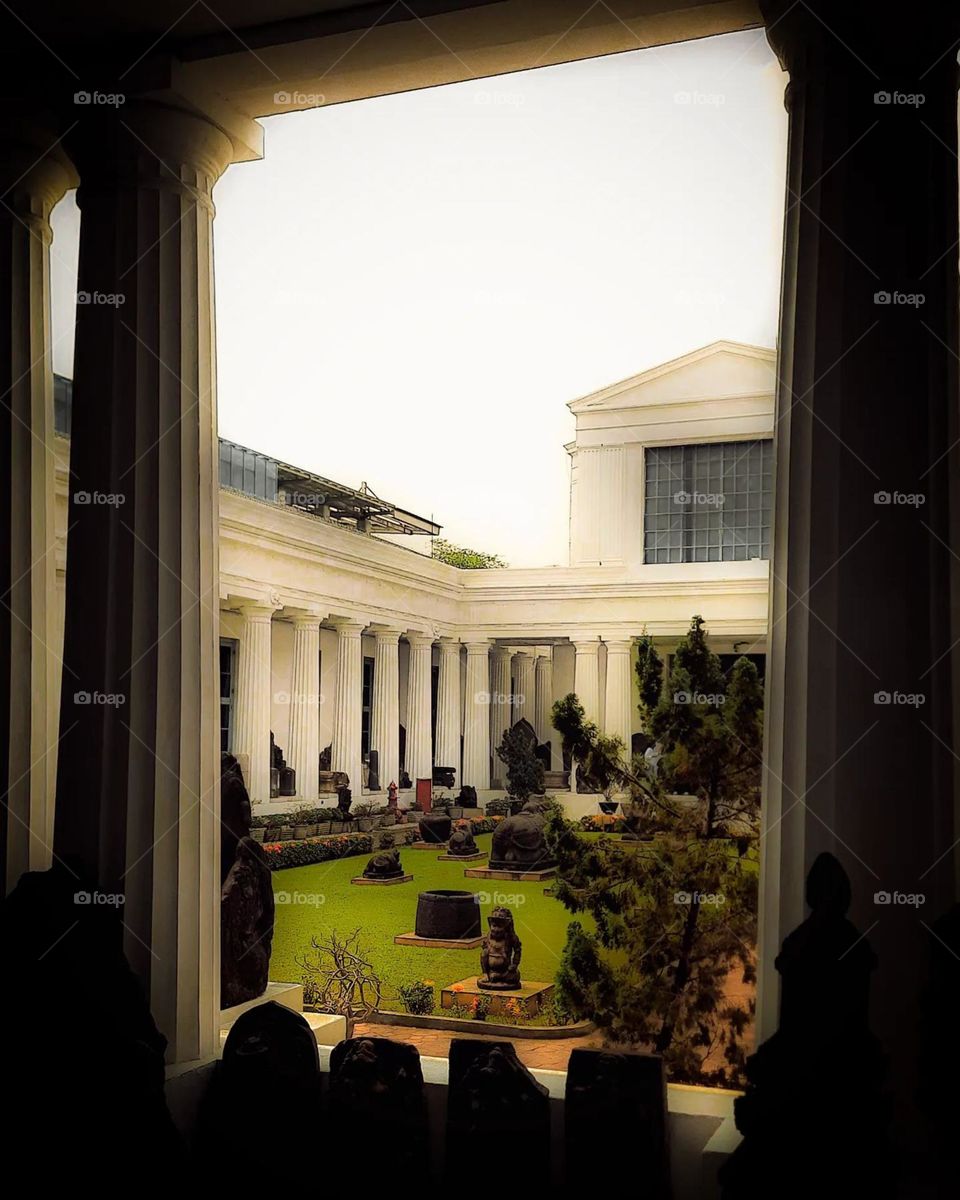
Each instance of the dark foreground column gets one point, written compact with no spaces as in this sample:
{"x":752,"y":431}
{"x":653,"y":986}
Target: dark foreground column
{"x":137,"y":784}
{"x":860,"y":709}
{"x":34,"y":174}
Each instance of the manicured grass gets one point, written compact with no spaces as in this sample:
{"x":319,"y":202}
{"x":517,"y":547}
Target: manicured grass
{"x":380,"y":913}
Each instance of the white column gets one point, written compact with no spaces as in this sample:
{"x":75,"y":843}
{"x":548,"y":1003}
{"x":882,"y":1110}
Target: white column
{"x":345,"y":752}
{"x":476,"y":722}
{"x":524,"y":708}
{"x":543,"y":689}
{"x":618,"y":710}
{"x":385,"y":721}
{"x":419,"y":756}
{"x":138,"y":783}
{"x":499,"y":702}
{"x":448,"y":707}
{"x":254,"y":689}
{"x":304,"y":754}
{"x":31,"y":183}
{"x":586,"y":677}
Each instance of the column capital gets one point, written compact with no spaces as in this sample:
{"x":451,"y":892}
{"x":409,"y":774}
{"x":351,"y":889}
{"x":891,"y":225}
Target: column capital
{"x":477,"y":646}
{"x":419,"y":640}
{"x":618,"y":645}
{"x":258,"y":611}
{"x":586,"y":645}
{"x":301,"y":619}
{"x":349,"y":627}
{"x":387,"y":636}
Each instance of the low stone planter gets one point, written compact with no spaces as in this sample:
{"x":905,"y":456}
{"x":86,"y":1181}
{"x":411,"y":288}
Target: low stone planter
{"x":285,"y":833}
{"x":258,"y":835}
{"x":365,"y":824}
{"x":340,"y":826}
{"x":304,"y":831}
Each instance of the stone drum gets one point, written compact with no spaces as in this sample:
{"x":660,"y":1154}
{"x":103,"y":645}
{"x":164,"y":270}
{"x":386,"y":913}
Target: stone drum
{"x":448,"y":915}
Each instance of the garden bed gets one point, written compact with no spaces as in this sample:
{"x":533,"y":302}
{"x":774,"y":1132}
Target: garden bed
{"x":304,"y":852}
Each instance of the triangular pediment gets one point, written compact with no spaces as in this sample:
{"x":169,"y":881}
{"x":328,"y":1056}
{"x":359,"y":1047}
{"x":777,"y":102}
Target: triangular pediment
{"x":715,"y":372}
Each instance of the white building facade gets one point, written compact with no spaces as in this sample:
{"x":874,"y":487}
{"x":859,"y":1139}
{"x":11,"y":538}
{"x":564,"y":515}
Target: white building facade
{"x":334,"y":634}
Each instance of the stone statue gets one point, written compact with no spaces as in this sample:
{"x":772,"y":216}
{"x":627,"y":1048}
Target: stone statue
{"x":235,"y":813}
{"x":344,"y":800}
{"x":519,"y":841}
{"x":391,"y":795}
{"x":246,"y":926}
{"x":468,"y":796}
{"x":500,"y":954}
{"x":385,"y":865}
{"x":462,"y":841}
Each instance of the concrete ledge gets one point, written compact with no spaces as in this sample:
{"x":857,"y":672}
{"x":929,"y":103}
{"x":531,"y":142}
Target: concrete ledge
{"x":290,"y":995}
{"x":486,"y":1028}
{"x":514,"y":876}
{"x":362,"y":881}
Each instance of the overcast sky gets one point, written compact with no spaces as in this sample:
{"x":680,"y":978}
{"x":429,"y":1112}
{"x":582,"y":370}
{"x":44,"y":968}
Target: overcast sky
{"x":410,"y":289}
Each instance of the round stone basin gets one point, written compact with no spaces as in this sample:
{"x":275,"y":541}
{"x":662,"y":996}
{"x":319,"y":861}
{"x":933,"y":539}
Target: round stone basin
{"x":450,"y":915}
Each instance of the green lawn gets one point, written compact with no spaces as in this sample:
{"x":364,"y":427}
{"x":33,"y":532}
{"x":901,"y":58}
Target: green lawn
{"x":382,"y":912}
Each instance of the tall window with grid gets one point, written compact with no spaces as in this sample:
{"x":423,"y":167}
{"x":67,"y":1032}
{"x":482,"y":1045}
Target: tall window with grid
{"x":708,"y":503}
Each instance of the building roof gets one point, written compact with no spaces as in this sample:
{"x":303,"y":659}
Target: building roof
{"x":607,"y":396}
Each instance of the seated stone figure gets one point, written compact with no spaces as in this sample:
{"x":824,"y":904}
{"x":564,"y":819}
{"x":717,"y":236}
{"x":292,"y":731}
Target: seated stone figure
{"x":246,"y":926}
{"x":462,"y":841}
{"x":500,"y":953}
{"x":385,"y":865}
{"x":519,"y":842}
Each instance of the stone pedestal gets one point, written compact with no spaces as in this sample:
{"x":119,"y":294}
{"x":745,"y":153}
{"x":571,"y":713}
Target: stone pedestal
{"x":365,"y":881}
{"x":414,"y":939}
{"x":531,"y":996}
{"x":515,"y":876}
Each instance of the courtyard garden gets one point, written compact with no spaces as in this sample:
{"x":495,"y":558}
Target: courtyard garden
{"x":319,"y":899}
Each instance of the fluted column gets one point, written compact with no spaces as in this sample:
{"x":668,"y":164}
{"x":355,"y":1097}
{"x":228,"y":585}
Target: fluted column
{"x":586,"y":677}
{"x":448,"y":707}
{"x":618,"y":709}
{"x":304,"y":752}
{"x":254,"y":689}
{"x":524,"y":707}
{"x":138,"y":775}
{"x":543,"y":689}
{"x":345,"y":753}
{"x":476,"y":717}
{"x":385,"y":721}
{"x":499,"y":691}
{"x":31,"y":183}
{"x":419,"y":757}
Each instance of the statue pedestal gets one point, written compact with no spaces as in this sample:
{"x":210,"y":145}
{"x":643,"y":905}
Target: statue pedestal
{"x":514,"y":876}
{"x":461,"y":857}
{"x":363,"y":881}
{"x":420,"y":845}
{"x":530,"y":996}
{"x":414,"y":939}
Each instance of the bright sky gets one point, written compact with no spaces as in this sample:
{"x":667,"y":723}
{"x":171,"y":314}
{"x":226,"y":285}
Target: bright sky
{"x":410,"y":289}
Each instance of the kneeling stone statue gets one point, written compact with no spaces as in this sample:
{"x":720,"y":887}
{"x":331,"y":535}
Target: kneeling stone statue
{"x":385,"y":865}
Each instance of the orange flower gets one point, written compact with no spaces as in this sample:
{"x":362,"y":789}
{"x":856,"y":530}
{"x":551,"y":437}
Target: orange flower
{"x":457,"y":987}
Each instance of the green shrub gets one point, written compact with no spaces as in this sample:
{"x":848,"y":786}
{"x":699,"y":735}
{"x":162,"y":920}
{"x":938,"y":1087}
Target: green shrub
{"x":417,"y":997}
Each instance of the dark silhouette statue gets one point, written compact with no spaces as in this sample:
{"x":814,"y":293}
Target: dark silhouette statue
{"x":246,"y":926}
